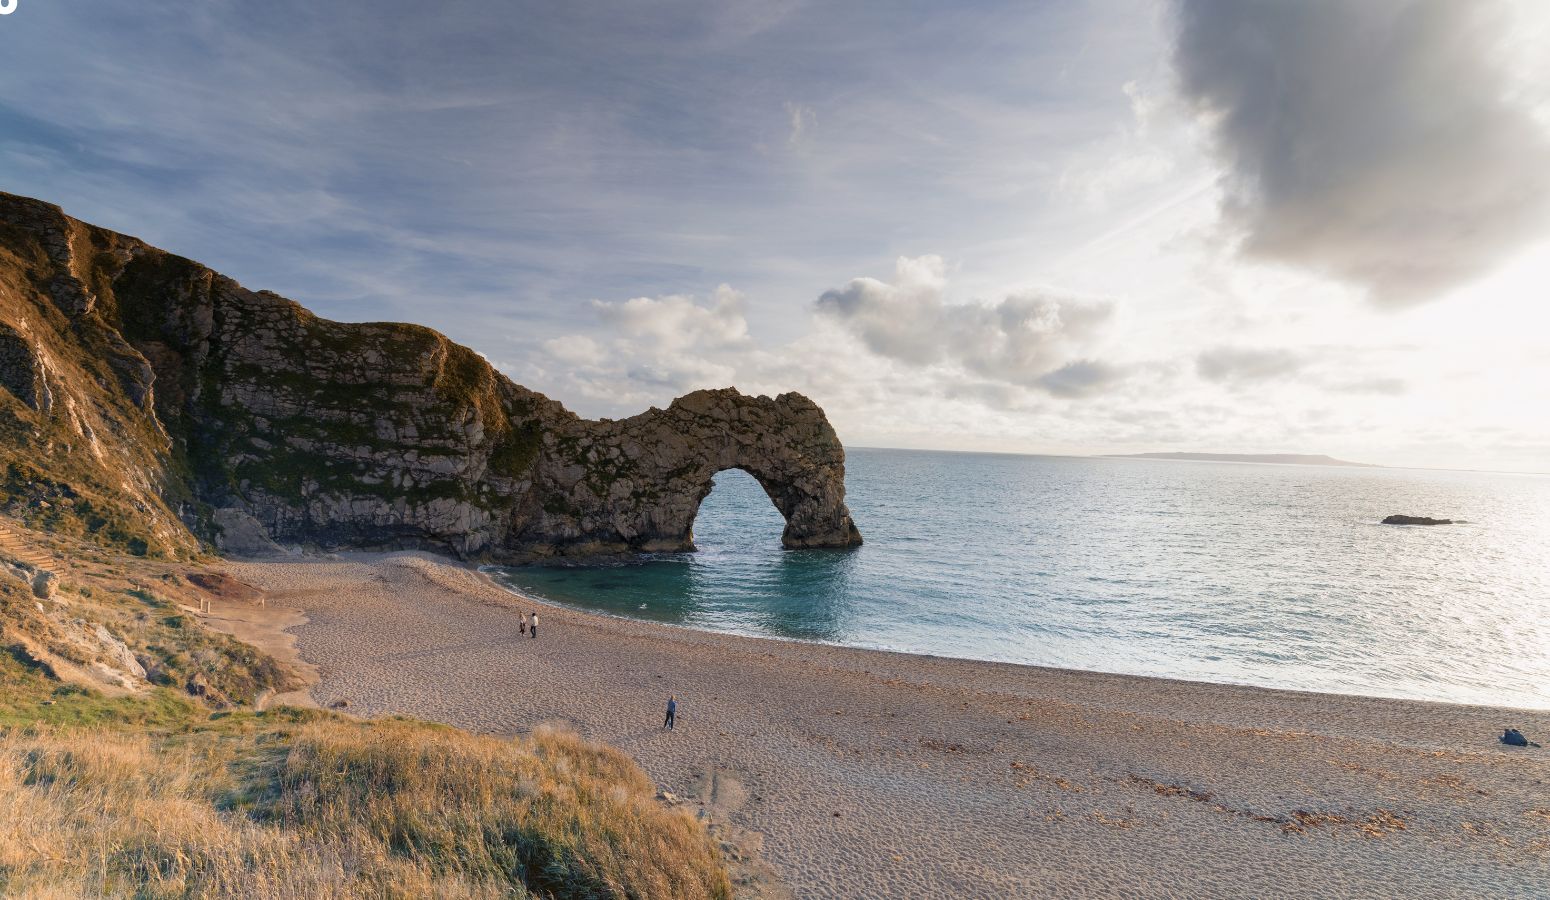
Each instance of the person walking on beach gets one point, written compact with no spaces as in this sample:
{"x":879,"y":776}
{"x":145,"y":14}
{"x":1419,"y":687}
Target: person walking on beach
{"x":532,"y":626}
{"x":672,"y":713}
{"x":522,"y":629}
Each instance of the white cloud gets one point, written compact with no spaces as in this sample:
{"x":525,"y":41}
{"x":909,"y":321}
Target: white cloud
{"x":1139,"y":155}
{"x":1318,"y":373}
{"x":646,"y":350}
{"x":902,"y":319}
{"x":679,"y":321}
{"x":801,"y":119}
{"x":575,"y":349}
{"x":1239,"y":366}
{"x":1021,"y":340}
{"x":1081,"y":378}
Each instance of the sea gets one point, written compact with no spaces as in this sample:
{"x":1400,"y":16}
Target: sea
{"x":1273,"y":575}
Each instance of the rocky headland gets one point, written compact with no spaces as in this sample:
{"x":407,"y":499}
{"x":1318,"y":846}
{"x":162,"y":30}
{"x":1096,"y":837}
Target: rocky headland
{"x":154,"y":404}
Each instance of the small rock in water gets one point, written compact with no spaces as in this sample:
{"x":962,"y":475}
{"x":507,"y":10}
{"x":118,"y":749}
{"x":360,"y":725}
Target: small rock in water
{"x":1415,"y":520}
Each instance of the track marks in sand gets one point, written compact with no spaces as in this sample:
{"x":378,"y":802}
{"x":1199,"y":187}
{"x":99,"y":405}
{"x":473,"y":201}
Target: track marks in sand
{"x":1375,"y":824}
{"x":1026,"y":773}
{"x":718,"y":795}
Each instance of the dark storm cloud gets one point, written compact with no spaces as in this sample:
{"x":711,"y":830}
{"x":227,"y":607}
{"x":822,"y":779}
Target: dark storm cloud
{"x":1372,"y":140}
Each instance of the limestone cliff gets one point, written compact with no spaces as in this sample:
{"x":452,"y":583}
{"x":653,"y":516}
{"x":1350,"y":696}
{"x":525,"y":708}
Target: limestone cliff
{"x":150,"y":401}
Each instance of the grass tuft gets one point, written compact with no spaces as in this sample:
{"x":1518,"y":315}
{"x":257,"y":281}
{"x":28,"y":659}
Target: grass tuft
{"x":303,"y":803}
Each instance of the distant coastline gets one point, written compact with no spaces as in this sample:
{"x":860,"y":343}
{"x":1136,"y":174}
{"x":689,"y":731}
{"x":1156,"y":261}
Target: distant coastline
{"x":1290,"y":459}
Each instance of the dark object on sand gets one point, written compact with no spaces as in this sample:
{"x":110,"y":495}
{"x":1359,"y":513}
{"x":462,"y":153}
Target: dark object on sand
{"x":1415,"y":520}
{"x":1512,"y":737}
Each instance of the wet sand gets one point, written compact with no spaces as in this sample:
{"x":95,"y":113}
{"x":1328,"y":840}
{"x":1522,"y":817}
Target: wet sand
{"x":871,"y":774}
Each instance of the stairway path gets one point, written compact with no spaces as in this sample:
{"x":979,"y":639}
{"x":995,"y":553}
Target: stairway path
{"x":13,"y":544}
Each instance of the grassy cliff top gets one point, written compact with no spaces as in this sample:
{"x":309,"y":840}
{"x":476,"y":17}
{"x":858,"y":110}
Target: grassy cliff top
{"x":173,"y":784}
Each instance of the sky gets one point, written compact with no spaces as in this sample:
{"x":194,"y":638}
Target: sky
{"x":1044,"y":227}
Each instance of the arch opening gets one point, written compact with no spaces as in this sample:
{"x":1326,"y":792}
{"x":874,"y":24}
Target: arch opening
{"x":736,"y":512}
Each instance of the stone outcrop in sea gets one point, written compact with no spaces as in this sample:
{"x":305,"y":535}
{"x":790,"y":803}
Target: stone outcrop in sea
{"x":1415,"y":520}
{"x":147,"y":400}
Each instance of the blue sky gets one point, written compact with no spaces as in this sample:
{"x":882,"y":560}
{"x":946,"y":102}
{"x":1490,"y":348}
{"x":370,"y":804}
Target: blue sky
{"x":1067,"y":227}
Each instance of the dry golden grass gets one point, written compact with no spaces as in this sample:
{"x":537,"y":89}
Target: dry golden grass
{"x":106,"y":792}
{"x":302,"y":805}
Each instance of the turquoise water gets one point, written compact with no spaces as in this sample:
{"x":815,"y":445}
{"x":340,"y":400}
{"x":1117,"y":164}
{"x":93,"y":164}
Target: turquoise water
{"x":1251,"y":574}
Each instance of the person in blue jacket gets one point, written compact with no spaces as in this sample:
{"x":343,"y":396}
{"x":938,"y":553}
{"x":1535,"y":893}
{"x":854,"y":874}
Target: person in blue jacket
{"x":1512,"y":737}
{"x":672,"y":712}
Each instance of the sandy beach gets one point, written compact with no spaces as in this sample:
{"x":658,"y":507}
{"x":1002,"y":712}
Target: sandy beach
{"x":856,"y":773}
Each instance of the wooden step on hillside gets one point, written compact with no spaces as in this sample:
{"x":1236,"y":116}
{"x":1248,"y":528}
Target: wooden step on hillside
{"x":14,"y":545}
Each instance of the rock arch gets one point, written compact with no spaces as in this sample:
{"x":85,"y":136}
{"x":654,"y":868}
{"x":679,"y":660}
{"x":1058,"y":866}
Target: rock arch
{"x":637,"y":484}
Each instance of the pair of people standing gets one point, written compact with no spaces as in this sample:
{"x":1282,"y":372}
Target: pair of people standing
{"x":529,"y":625}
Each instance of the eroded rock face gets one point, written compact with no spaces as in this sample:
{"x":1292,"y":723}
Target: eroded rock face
{"x":21,"y":369}
{"x":237,"y":533}
{"x":255,"y":421}
{"x":45,"y":585}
